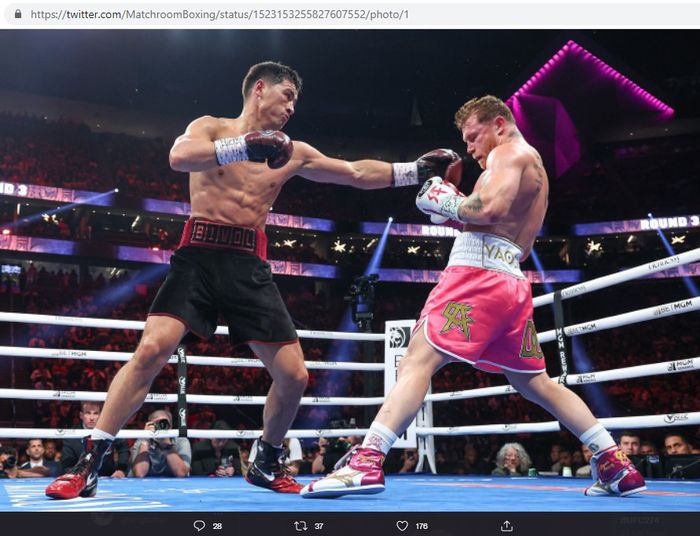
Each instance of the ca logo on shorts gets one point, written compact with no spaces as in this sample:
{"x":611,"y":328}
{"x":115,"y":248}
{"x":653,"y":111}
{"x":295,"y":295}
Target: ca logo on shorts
{"x":457,"y":315}
{"x":530,"y":348}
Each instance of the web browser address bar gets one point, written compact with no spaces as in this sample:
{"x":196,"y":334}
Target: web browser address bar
{"x":361,"y":14}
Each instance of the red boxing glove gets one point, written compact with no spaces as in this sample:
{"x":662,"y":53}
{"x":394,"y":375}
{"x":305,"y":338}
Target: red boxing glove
{"x":271,"y":146}
{"x":443,"y":163}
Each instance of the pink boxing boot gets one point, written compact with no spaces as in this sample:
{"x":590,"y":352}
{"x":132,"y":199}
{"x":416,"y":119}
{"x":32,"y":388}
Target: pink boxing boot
{"x":615,"y":474}
{"x":361,"y":475}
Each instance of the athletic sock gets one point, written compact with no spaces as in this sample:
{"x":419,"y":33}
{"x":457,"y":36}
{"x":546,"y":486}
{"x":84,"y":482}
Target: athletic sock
{"x":379,"y":437}
{"x":597,"y":439}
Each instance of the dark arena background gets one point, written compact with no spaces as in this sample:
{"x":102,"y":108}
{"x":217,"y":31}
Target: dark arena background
{"x":90,"y":213}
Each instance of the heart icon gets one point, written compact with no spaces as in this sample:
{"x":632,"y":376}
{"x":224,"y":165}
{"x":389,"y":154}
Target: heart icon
{"x":402,"y":525}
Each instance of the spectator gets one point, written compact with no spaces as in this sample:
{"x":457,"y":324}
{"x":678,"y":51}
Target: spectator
{"x":410,"y":460}
{"x":8,"y":465}
{"x":629,"y":442}
{"x":216,"y":457}
{"x":293,"y":455}
{"x":37,"y":462}
{"x":647,"y":448}
{"x":676,"y":444}
{"x":73,"y":448}
{"x":585,"y":470}
{"x":161,"y":456}
{"x":565,"y":461}
{"x":512,"y":460}
{"x":51,"y":452}
{"x":554,"y":457}
{"x":473,"y":463}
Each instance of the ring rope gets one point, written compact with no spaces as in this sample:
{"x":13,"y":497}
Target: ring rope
{"x":81,"y":321}
{"x":624,"y":319}
{"x":626,"y":373}
{"x":621,"y":277}
{"x":98,"y":355}
{"x":244,"y":400}
{"x":611,"y":423}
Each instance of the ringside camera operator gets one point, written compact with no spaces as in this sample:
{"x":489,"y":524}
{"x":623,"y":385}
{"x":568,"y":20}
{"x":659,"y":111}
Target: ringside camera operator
{"x":331,"y":450}
{"x":9,"y":468}
{"x":161,"y":456}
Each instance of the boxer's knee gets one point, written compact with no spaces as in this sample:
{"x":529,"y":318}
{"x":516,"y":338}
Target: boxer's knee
{"x":151,"y":355}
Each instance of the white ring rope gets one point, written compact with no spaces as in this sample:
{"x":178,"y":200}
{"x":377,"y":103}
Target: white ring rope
{"x":626,"y":373}
{"x":624,"y":319}
{"x":611,"y":423}
{"x":621,"y":277}
{"x":57,"y":353}
{"x":48,"y":433}
{"x":244,"y":400}
{"x":85,"y":322}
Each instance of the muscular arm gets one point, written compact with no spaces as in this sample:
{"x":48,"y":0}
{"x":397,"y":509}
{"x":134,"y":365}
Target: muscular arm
{"x":195,"y":150}
{"x":497,"y":188}
{"x":311,"y":164}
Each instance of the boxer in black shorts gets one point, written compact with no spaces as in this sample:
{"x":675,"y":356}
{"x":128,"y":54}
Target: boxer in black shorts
{"x":217,"y":270}
{"x":237,"y":168}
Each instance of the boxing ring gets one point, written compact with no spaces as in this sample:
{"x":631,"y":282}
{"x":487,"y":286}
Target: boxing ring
{"x":405,"y":493}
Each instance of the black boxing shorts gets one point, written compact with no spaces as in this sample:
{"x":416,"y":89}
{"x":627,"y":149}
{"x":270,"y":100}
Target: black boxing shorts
{"x":217,"y":270}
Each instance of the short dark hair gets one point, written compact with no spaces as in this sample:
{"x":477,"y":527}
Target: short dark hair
{"x":485,"y":108}
{"x":629,"y":433}
{"x":270,"y":71}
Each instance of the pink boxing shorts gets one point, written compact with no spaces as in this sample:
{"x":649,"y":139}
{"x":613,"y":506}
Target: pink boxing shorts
{"x":483,"y":317}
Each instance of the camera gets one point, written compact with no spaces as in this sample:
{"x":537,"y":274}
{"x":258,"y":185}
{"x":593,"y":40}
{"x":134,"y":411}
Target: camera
{"x":162,"y":424}
{"x":10,"y":462}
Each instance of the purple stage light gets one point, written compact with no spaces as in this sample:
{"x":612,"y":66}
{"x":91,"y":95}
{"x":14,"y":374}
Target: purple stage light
{"x":576,"y":52}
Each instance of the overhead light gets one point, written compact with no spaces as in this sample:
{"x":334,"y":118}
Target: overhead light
{"x":413,"y":250}
{"x":290,"y":243}
{"x":339,"y":246}
{"x":678,"y":239}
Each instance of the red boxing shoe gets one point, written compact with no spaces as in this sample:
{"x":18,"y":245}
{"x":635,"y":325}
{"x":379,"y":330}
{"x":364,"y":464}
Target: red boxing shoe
{"x":80,"y":481}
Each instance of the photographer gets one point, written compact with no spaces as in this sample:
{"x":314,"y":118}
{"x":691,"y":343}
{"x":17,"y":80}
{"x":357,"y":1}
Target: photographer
{"x":8,"y":465}
{"x":329,"y":452}
{"x":161,"y":456}
{"x":73,"y":448}
{"x":216,"y":457}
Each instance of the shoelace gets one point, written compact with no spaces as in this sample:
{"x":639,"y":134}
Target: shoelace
{"x":82,"y":465}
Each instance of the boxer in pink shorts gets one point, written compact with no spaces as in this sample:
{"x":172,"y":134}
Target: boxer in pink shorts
{"x":464,"y":318}
{"x":481,"y":309}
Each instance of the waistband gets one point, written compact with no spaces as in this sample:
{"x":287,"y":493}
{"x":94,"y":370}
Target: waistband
{"x":209,"y":234}
{"x":488,"y":251}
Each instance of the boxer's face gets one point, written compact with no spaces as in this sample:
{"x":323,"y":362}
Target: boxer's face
{"x":276,"y":103}
{"x":481,"y":138}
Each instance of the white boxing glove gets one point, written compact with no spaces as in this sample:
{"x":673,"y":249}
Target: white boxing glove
{"x":440,"y":200}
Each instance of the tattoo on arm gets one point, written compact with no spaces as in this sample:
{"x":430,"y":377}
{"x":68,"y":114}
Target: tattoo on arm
{"x":473,"y":203}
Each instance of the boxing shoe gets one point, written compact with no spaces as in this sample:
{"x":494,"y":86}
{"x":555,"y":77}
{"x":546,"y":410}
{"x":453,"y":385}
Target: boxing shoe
{"x":79,"y":481}
{"x":359,"y":472}
{"x":268,"y":470}
{"x":614,"y":474}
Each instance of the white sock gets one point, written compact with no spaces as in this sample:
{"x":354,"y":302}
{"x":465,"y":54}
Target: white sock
{"x":379,"y":437}
{"x":597,"y":438}
{"x":100,"y":434}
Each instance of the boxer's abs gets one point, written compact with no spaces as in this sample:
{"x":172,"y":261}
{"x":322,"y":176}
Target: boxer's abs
{"x":241,"y":196}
